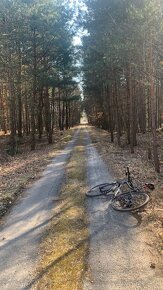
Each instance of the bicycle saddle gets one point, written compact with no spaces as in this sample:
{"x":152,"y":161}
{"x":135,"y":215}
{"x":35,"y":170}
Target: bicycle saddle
{"x":150,"y":186}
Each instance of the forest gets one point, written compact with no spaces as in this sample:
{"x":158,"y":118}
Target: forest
{"x":81,"y":144}
{"x":119,"y":61}
{"x":37,"y":68}
{"x":123,"y":69}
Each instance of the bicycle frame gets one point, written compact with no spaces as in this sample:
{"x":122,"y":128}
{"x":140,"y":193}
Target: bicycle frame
{"x":116,"y":188}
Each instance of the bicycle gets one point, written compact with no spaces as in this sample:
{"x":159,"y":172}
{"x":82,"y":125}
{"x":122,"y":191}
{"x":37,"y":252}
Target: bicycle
{"x":130,"y":200}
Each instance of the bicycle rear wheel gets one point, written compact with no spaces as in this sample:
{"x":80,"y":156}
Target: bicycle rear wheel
{"x":130,"y":201}
{"x":100,"y":189}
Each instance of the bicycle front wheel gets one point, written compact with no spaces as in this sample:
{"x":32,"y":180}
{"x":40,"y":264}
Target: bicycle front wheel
{"x":100,"y":189}
{"x":130,"y":201}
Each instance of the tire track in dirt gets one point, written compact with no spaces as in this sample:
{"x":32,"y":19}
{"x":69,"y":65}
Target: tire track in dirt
{"x":24,"y":225}
{"x":119,"y":258}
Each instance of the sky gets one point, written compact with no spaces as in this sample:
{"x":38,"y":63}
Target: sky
{"x":77,"y":40}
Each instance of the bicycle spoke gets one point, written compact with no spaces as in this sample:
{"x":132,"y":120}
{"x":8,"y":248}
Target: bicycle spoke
{"x":130,"y":201}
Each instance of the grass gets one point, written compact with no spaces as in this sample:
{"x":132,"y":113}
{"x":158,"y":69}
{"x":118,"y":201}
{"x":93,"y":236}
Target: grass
{"x":65,"y":244}
{"x":67,"y":138}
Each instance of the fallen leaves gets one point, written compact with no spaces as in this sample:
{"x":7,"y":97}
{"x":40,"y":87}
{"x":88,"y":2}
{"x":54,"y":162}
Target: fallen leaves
{"x":118,"y":158}
{"x":16,"y":172}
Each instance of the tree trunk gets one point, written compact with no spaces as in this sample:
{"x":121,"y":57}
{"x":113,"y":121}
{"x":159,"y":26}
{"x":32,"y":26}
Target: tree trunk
{"x":63,"y":116}
{"x":40,"y":112}
{"x":12,"y":112}
{"x":19,"y":96}
{"x":153,"y":109}
{"x":59,"y":108}
{"x":48,"y":116}
{"x":117,"y":114}
{"x":67,"y":117}
{"x":33,"y":96}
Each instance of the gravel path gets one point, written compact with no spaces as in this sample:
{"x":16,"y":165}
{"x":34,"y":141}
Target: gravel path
{"x":23,"y":226}
{"x":118,"y":257}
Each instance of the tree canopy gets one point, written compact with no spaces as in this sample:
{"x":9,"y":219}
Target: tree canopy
{"x":37,"y":68}
{"x":122,"y":65}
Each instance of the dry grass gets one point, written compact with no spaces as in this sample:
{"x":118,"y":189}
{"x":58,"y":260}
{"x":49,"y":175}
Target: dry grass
{"x":16,"y":172}
{"x":65,"y":244}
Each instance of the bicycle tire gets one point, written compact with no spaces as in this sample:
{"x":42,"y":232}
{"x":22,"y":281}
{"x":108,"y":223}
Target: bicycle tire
{"x":100,"y":189}
{"x":138,"y":200}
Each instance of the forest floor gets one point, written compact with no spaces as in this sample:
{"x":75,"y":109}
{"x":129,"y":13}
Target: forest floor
{"x":17,"y":172}
{"x":117,"y":159}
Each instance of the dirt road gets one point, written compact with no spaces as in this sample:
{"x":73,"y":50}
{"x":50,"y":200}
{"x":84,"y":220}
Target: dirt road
{"x":24,"y":225}
{"x":119,"y":258}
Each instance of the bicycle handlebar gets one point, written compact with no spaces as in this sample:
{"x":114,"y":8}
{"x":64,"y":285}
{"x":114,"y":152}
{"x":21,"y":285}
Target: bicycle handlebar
{"x":129,"y":179}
